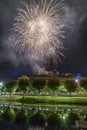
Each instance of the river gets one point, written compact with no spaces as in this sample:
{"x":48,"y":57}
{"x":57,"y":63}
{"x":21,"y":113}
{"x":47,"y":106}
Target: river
{"x":38,"y":117}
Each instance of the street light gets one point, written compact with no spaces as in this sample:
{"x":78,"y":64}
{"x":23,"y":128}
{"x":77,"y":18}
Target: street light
{"x":1,"y":83}
{"x":62,"y":86}
{"x":64,"y":117}
{"x":76,"y":80}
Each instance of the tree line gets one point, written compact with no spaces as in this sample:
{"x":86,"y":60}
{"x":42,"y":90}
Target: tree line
{"x":43,"y":85}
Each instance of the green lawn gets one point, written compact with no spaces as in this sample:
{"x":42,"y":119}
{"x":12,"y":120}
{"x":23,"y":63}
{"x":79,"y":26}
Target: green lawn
{"x":44,"y":99}
{"x":58,"y":99}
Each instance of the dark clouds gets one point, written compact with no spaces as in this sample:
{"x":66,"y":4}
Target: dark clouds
{"x":76,"y":42}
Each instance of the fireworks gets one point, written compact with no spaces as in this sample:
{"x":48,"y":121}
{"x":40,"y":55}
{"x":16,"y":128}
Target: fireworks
{"x":38,"y":30}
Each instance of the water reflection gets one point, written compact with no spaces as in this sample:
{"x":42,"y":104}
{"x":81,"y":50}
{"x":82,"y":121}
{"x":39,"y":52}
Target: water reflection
{"x":40,"y":118}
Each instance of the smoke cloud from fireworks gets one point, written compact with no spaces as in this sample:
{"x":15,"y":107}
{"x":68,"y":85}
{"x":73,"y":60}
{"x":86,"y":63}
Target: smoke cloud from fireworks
{"x":38,"y":31}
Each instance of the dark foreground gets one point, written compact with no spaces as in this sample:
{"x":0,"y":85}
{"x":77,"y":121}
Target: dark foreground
{"x":19,"y":117}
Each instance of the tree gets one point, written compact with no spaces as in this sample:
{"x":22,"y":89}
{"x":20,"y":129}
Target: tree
{"x":38,"y":119}
{"x":9,"y":114}
{"x":53,"y":84}
{"x":70,"y":85}
{"x":39,"y":84}
{"x":72,"y":117}
{"x":11,"y":86}
{"x":83,"y":83}
{"x":22,"y":117}
{"x":23,"y":83}
{"x":53,"y":121}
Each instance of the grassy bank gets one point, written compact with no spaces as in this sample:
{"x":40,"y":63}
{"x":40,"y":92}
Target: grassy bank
{"x":44,"y":99}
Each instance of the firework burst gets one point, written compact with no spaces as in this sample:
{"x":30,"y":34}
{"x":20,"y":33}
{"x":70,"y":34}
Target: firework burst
{"x":38,"y":30}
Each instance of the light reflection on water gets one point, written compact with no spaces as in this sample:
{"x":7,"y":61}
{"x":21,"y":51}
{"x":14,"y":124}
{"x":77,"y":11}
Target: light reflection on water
{"x":36,"y":128}
{"x":40,"y":118}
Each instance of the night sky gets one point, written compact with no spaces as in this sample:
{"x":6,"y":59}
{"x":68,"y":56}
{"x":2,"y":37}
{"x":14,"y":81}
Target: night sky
{"x":75,"y":52}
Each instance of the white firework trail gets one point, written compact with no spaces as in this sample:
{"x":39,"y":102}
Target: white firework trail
{"x":39,"y":30}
